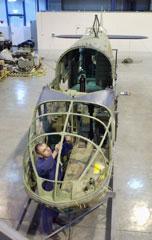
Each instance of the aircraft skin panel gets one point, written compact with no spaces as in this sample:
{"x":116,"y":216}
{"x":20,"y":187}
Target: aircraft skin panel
{"x":48,"y":94}
{"x":103,"y":97}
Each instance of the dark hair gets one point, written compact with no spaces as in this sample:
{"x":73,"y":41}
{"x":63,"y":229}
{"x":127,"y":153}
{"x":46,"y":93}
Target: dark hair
{"x":37,"y":147}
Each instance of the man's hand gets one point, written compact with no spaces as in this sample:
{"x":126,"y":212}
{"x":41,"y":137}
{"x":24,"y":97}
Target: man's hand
{"x":57,"y":147}
{"x":56,"y":150}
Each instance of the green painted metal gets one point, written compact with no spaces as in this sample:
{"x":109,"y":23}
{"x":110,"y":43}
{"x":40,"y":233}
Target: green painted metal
{"x":54,"y":199}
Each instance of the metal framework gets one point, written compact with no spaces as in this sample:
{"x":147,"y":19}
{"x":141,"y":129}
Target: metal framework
{"x":8,"y":15}
{"x":71,"y":217}
{"x":51,"y":198}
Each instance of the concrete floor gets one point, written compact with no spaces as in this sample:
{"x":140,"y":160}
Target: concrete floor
{"x":132,"y":206}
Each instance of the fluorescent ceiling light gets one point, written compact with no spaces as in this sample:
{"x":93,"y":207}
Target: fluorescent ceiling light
{"x":11,"y":0}
{"x":15,"y":11}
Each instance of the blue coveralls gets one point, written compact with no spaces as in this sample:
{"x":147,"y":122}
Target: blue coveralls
{"x":46,"y":169}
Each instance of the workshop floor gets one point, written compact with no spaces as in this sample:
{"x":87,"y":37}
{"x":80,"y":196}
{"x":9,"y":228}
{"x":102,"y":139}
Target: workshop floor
{"x":132,"y":206}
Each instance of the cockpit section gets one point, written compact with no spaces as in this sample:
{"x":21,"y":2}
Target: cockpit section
{"x":83,"y":131}
{"x":85,"y":119}
{"x":83,"y":70}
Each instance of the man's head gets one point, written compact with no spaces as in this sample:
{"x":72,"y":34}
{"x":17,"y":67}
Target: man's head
{"x":43,"y":150}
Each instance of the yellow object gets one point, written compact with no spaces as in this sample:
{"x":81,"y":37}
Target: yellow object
{"x":3,"y":73}
{"x":98,"y":168}
{"x":35,"y":72}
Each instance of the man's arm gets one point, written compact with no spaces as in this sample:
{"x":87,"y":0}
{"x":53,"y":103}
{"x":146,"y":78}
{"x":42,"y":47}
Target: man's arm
{"x":66,"y":148}
{"x":55,"y":152}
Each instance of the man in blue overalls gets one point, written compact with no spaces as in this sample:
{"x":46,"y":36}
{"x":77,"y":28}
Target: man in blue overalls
{"x":46,"y":168}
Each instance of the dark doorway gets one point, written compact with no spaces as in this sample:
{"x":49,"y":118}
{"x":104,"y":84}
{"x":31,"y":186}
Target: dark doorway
{"x":130,"y":5}
{"x":136,"y":5}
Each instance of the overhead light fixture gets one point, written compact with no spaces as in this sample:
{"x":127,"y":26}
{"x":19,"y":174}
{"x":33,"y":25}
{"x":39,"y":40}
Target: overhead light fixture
{"x":15,"y":11}
{"x":11,"y":0}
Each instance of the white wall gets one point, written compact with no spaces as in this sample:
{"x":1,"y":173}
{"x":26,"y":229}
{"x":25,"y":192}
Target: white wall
{"x":127,"y":23}
{"x":19,"y":35}
{"x":5,"y":30}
